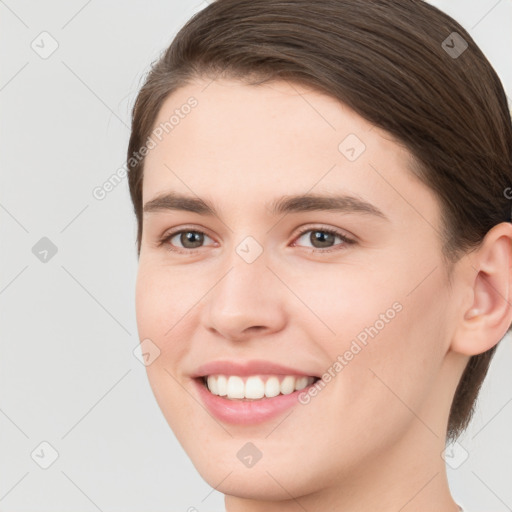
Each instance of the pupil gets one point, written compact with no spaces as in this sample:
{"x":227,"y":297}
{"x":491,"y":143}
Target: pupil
{"x":189,"y":236}
{"x":196,"y":239}
{"x":321,"y":236}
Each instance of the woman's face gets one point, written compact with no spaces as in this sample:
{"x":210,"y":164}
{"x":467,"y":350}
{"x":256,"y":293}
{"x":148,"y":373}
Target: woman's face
{"x":258,"y":286}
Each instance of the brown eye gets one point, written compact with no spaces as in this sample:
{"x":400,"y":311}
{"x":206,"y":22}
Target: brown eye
{"x":186,"y":240}
{"x":194,"y":238}
{"x":321,"y":239}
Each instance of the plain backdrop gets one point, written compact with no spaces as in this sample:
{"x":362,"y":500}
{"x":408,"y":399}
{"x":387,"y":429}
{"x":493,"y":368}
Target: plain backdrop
{"x":74,"y":396}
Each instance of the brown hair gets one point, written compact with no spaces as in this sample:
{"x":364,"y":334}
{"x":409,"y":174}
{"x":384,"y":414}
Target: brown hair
{"x":396,"y":63}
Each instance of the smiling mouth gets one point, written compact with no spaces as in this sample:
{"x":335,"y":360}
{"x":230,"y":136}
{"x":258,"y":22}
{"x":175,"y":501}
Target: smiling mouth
{"x":255,"y":387}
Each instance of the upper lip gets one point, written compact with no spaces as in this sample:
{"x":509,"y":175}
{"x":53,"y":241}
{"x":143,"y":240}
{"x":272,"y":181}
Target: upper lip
{"x":253,"y":367}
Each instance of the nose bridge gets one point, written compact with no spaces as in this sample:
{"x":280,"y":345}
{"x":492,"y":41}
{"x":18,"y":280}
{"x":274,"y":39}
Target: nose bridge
{"x":246,"y":296}
{"x":247,"y":268}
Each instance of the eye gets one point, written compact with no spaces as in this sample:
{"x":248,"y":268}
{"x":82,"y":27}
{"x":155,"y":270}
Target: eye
{"x":190,"y":240}
{"x":323,"y":238}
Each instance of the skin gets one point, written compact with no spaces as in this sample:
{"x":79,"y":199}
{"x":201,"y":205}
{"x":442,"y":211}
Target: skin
{"x":382,"y":420}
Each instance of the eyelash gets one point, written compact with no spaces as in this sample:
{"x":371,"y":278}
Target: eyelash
{"x":346,"y":240}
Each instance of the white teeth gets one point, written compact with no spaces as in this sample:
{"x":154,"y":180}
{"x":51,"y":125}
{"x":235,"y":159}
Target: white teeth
{"x":301,"y":383}
{"x":254,"y":387}
{"x":222,"y":385}
{"x":212,"y":385}
{"x":288,"y":385}
{"x":272,"y":387}
{"x":235,"y":387}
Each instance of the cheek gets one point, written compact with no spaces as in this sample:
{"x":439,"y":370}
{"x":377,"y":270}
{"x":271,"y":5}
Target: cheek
{"x":161,"y":318}
{"x":398,"y":367}
{"x":391,"y":341}
{"x":147,"y":299}
{"x":162,"y":300}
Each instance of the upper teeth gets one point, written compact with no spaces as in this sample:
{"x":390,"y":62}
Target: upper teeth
{"x":255,"y":387}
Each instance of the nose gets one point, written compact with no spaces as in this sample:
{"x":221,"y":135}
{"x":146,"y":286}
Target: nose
{"x":247,"y":300}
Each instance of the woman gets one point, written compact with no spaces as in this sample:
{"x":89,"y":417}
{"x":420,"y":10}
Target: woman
{"x":324,"y":246}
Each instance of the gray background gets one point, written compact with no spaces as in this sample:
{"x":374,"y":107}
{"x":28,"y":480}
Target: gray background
{"x":68,"y":373}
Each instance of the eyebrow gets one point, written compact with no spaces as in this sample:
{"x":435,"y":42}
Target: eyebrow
{"x":286,"y":204}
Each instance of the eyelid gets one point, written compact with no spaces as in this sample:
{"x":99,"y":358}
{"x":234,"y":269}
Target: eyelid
{"x":346,"y":238}
{"x":164,"y":240}
{"x":186,"y":227}
{"x":322,"y":227}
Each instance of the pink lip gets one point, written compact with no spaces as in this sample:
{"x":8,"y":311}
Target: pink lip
{"x":254,"y":367}
{"x":246,"y":412}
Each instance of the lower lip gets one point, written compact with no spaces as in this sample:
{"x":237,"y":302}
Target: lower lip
{"x":246,"y":412}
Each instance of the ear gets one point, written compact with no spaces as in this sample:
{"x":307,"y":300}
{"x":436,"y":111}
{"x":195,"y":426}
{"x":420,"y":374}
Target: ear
{"x":489,"y":286}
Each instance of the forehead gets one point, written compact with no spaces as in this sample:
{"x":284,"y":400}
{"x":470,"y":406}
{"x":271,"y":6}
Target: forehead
{"x":250,"y":144}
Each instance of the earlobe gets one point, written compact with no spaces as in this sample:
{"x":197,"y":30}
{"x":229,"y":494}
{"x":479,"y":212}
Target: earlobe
{"x":487,"y":319}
